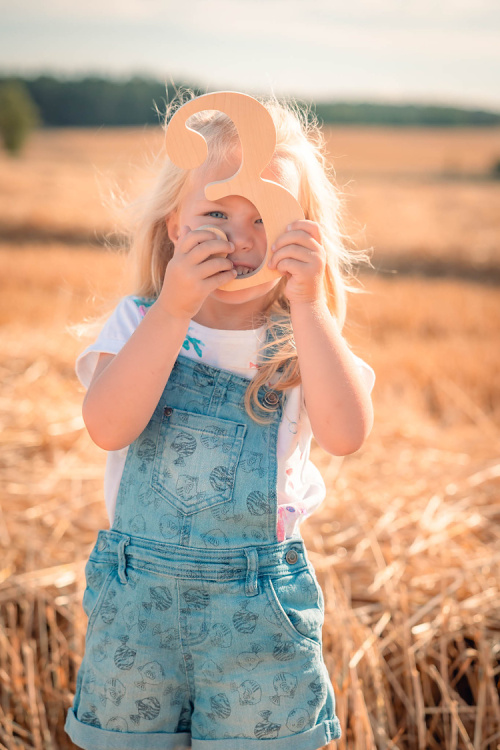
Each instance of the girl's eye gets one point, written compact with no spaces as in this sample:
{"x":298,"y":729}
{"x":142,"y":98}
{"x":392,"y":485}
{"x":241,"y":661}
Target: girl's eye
{"x":217,"y":214}
{"x":259,"y":221}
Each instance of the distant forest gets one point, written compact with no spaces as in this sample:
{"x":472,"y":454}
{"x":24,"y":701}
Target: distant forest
{"x":95,"y":101}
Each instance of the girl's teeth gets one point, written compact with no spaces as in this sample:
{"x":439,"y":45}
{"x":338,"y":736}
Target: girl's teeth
{"x":242,"y":271}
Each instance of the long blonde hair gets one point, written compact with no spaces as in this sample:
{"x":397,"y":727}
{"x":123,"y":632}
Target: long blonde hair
{"x":301,"y":165}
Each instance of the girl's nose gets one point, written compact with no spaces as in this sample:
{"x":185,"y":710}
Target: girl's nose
{"x":241,"y":236}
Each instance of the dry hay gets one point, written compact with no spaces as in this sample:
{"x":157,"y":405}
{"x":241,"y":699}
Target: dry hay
{"x":411,"y":571}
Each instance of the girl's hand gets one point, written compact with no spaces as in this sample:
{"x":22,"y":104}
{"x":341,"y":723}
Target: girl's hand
{"x":193,"y":272}
{"x":299,"y":255}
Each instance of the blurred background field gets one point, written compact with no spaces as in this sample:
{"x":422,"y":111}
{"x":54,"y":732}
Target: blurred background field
{"x":407,"y":544}
{"x":418,"y":194}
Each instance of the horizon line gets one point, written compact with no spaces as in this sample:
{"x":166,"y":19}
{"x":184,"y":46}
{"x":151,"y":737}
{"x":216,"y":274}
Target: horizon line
{"x":443,"y":101}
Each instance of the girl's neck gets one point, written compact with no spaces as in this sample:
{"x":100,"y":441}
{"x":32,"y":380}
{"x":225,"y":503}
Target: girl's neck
{"x":229,"y":317}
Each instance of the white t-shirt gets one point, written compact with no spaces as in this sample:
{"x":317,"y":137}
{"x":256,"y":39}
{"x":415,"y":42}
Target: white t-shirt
{"x":301,"y":489}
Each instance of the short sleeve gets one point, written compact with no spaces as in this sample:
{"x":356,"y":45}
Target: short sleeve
{"x":367,"y":373}
{"x":114,"y":334}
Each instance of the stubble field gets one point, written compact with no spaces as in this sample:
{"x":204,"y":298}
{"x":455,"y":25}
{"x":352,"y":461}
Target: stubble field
{"x":406,"y":545}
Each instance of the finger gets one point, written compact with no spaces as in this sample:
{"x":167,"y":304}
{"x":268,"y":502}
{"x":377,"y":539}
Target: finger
{"x":196,"y":251}
{"x":204,"y":250}
{"x":215,"y":266}
{"x":296,"y":252}
{"x":219,"y":279}
{"x":197,"y":237}
{"x":311,"y":227}
{"x":297,"y":237}
{"x":290,"y":266}
{"x":218,"y":234}
{"x":178,"y":243}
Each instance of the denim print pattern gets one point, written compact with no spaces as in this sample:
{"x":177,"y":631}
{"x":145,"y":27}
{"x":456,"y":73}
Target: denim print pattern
{"x":202,"y":473}
{"x":207,"y":452}
{"x":203,"y":629}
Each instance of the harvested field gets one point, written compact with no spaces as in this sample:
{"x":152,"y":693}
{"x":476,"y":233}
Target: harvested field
{"x":422,"y":199}
{"x":407,"y":544}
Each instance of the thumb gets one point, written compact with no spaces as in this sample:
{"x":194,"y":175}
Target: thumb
{"x":183,"y":232}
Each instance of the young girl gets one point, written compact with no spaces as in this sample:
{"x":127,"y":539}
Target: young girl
{"x":205,"y":613}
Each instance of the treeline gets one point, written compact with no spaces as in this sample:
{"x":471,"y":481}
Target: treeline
{"x":95,"y":101}
{"x":404,"y":115}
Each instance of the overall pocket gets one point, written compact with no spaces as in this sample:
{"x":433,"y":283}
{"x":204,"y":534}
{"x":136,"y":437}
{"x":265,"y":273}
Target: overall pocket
{"x":196,"y":459}
{"x":99,"y":575}
{"x":296,"y":604}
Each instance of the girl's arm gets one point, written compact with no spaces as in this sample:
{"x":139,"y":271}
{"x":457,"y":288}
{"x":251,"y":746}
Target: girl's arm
{"x":126,"y":387}
{"x":338,"y":405}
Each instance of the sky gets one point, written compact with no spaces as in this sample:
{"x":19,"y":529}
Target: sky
{"x":436,"y":51}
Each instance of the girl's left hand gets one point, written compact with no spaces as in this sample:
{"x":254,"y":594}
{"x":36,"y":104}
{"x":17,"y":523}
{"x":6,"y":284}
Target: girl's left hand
{"x":299,"y":255}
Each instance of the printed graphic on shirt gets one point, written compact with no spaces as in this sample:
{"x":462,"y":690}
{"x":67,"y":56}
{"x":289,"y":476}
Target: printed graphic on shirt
{"x":190,"y":341}
{"x":143,"y":304}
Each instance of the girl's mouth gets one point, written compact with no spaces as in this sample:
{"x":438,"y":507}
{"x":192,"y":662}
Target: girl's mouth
{"x":243,"y":270}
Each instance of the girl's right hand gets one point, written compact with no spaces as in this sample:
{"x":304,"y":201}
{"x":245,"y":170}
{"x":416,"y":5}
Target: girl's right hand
{"x":193,"y":272}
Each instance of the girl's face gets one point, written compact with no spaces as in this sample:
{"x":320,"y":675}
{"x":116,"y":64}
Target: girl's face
{"x":240,"y":221}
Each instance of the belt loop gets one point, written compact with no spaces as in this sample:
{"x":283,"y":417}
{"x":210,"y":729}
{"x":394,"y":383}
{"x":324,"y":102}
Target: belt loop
{"x":251,"y":586}
{"x":122,"y":560}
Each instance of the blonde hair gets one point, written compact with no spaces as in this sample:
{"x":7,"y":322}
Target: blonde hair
{"x":300,"y":163}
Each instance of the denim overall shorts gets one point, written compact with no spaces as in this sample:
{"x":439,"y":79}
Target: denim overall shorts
{"x":203,"y":630}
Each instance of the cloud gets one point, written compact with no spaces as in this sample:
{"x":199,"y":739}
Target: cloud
{"x":91,"y":10}
{"x":291,"y":45}
{"x":275,"y":14}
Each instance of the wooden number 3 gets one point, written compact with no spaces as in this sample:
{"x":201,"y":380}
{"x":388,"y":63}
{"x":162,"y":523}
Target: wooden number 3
{"x":188,"y":149}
